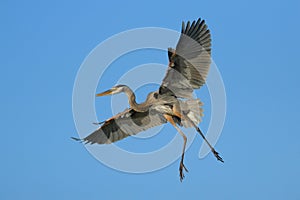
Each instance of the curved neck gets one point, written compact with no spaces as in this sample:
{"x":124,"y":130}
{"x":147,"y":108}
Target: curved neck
{"x":132,"y":102}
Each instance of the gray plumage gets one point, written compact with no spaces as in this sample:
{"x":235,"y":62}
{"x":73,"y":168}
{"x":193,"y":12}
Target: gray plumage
{"x":173,"y":102}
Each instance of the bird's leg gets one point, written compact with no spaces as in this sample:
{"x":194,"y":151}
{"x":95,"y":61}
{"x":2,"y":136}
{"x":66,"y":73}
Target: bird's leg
{"x":181,"y":166}
{"x":204,"y":138}
{"x":212,"y":149}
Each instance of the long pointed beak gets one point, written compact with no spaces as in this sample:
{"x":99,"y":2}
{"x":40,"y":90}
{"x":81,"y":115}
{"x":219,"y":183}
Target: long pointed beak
{"x":108,"y":92}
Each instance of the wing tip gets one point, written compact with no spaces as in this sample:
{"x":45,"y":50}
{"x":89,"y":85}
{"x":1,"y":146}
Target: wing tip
{"x":182,"y":27}
{"x":77,"y":139}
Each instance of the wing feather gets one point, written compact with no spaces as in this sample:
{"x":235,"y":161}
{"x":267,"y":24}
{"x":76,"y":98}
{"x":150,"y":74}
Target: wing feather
{"x":192,"y":28}
{"x":190,"y":62}
{"x":182,"y":27}
{"x":123,"y":125}
{"x":196,"y":29}
{"x":187,"y":27}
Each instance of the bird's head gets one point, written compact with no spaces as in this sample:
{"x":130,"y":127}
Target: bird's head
{"x":114,"y":90}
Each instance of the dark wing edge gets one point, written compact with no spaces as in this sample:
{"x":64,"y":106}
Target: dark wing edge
{"x":190,"y":62}
{"x":123,"y":125}
{"x":199,"y":32}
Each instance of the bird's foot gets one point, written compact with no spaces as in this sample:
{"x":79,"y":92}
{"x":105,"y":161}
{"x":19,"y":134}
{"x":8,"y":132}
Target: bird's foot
{"x":217,"y":155}
{"x":181,"y":167}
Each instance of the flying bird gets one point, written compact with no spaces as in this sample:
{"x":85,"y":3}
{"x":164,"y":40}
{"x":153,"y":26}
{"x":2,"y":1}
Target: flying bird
{"x":173,"y":102}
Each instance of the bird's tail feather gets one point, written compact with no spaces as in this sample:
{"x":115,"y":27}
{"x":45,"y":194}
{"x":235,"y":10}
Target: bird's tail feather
{"x":192,"y":109}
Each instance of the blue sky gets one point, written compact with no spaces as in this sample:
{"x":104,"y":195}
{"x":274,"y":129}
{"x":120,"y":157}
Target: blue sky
{"x":256,"y":47}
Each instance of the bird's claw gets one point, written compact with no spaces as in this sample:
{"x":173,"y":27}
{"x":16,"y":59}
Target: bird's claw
{"x":217,"y":155}
{"x":181,"y":167}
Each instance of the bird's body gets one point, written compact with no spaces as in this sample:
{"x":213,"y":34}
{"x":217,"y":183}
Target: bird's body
{"x":173,"y":102}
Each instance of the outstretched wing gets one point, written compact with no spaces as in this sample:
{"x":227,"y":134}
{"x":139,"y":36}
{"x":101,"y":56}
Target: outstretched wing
{"x":189,"y":63}
{"x":123,"y":125}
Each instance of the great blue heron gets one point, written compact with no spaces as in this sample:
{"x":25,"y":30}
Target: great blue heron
{"x":188,"y":68}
